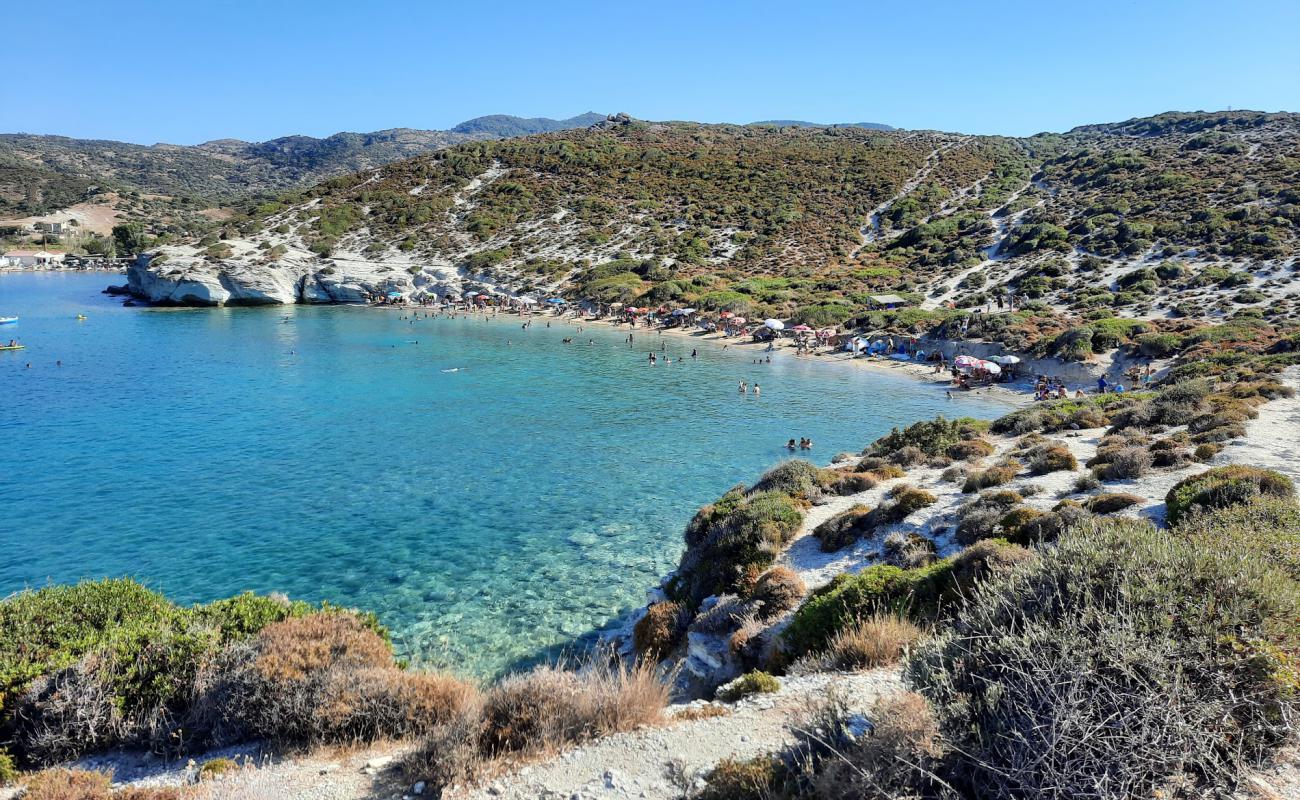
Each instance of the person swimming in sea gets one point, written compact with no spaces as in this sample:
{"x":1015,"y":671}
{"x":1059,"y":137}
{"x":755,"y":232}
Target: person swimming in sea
{"x":694,"y":353}
{"x":743,"y":388}
{"x":790,"y":445}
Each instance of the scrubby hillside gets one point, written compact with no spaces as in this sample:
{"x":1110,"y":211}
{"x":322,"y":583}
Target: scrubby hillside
{"x":1175,"y":216}
{"x":39,"y":174}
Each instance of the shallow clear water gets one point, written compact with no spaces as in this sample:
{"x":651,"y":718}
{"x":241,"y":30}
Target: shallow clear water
{"x":486,"y":514}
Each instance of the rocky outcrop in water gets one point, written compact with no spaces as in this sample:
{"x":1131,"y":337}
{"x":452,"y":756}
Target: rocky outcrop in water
{"x":189,"y":280}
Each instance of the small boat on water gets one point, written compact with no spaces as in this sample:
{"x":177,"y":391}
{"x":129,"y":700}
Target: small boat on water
{"x":7,"y":320}
{"x":13,"y":346}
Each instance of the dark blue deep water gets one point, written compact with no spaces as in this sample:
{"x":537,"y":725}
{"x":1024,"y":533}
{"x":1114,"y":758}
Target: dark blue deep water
{"x":486,"y":514}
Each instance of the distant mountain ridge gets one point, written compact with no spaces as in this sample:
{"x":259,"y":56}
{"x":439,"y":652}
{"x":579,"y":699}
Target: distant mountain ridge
{"x":796,"y":123}
{"x":41,"y":173}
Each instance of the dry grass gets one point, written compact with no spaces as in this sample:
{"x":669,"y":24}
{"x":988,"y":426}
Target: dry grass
{"x":537,"y":713}
{"x":68,"y":784}
{"x":697,"y":713}
{"x":875,"y":641}
{"x":296,"y":649}
{"x":329,"y":678}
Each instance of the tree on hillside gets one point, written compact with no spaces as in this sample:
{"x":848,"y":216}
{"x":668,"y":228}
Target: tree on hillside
{"x":130,"y":238}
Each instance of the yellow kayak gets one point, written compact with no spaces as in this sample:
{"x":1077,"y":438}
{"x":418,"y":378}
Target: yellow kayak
{"x":81,"y":316}
{"x":12,"y":346}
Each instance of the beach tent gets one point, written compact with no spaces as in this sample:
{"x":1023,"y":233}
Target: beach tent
{"x":557,"y":301}
{"x":774,"y":324}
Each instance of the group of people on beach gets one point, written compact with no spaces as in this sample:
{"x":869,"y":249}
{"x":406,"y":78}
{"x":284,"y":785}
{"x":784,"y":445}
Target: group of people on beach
{"x":804,"y":444}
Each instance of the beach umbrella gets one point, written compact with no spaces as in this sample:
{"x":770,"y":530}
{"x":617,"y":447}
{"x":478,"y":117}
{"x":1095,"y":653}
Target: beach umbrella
{"x":471,"y":294}
{"x":966,"y":361}
{"x":989,"y":367}
{"x":726,"y":315}
{"x":1006,"y":359}
{"x":527,"y":300}
{"x":739,"y":320}
{"x":615,"y":305}
{"x":774,"y":324}
{"x":801,"y":328}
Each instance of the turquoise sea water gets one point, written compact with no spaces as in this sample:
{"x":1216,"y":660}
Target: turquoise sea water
{"x":487,"y":514}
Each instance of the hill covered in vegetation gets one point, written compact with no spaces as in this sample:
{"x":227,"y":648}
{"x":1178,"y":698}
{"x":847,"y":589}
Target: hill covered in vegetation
{"x":1165,"y":219}
{"x":39,"y":174}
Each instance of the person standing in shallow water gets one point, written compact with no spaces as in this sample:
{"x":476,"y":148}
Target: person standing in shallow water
{"x":757,"y":390}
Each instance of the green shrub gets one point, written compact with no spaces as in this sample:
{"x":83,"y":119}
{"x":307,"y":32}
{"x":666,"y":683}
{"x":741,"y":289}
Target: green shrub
{"x":1221,"y":487}
{"x":779,"y":590}
{"x":751,"y":683}
{"x":8,"y":770}
{"x":908,"y":499}
{"x":1266,"y":526}
{"x":738,"y":535}
{"x":919,"y":593}
{"x":1123,"y":657}
{"x":796,"y":477}
{"x":932,"y":437}
{"x":215,"y":768}
{"x":1014,"y":522}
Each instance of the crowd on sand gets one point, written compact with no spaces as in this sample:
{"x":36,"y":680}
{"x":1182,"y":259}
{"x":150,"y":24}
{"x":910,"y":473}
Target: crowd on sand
{"x":966,"y":372}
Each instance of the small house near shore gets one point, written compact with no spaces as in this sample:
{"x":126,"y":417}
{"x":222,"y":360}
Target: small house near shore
{"x":31,"y":258}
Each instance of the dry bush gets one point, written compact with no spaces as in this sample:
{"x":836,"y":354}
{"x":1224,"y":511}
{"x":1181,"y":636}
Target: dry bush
{"x":152,"y":793}
{"x":876,"y":641}
{"x":657,"y":633}
{"x":68,"y":784}
{"x":993,"y":476}
{"x":779,"y":590}
{"x":67,"y":713}
{"x":296,"y":649}
{"x":1053,"y":458}
{"x":853,"y":483}
{"x":449,"y":755}
{"x":330,"y":678}
{"x":908,"y":456}
{"x":954,"y":474}
{"x":906,"y":499}
{"x":844,"y":528}
{"x":908,"y":550}
{"x":1109,"y":503}
{"x":742,"y":779}
{"x":970,"y":449}
{"x":1125,"y":463}
{"x":898,"y":758}
{"x":979,"y":518}
{"x":541,"y":710}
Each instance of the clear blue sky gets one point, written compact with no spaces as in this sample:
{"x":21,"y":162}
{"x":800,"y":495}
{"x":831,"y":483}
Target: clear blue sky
{"x":185,"y":72}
